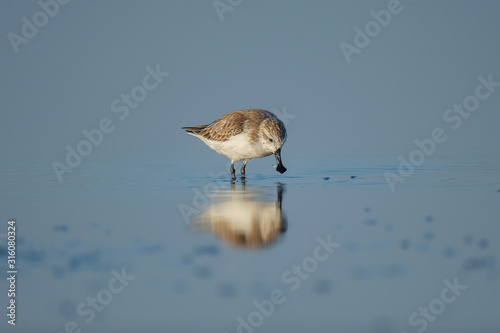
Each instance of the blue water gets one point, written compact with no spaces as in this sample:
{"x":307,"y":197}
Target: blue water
{"x":205,"y":255}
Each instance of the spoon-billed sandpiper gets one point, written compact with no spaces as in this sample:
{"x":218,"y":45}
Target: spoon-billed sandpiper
{"x":243,"y":135}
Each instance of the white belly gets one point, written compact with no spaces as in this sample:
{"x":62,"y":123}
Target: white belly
{"x":237,"y":148}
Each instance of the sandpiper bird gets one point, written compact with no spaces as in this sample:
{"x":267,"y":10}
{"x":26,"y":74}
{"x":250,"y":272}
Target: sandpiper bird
{"x":243,"y":135}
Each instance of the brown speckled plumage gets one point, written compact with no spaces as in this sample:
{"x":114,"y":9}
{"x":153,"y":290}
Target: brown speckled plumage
{"x":234,"y":123}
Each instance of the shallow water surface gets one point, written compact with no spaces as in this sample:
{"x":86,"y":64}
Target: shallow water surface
{"x":326,"y":247}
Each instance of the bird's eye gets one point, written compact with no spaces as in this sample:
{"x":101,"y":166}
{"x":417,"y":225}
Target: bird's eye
{"x":270,"y":140}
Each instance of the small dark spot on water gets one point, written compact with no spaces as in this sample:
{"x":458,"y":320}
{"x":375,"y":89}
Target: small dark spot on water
{"x":449,"y":252}
{"x":321,"y":287}
{"x":468,"y":240}
{"x":326,"y":178}
{"x":393,"y":270}
{"x":351,"y":246}
{"x":58,"y":272}
{"x":367,"y":209}
{"x":31,"y":256}
{"x":354,"y":177}
{"x":359,"y":273}
{"x":210,"y":250}
{"x":151,"y":249}
{"x":60,"y":228}
{"x":479,"y":263}
{"x":226,"y":290}
{"x":404,"y":243}
{"x":428,"y":236}
{"x":84,"y":259}
{"x":483,"y":243}
{"x":371,"y":222}
{"x":429,"y":218}
{"x":203,"y":272}
{"x":498,"y":191}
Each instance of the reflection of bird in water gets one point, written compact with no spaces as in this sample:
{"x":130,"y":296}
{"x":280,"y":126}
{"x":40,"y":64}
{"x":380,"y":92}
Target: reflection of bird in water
{"x":243,"y":219}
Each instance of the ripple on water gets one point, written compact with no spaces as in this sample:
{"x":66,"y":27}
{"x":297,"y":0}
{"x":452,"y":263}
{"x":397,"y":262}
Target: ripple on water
{"x":207,"y":250}
{"x":483,"y":243}
{"x":468,"y":239}
{"x":321,"y":286}
{"x":393,"y":270}
{"x":203,"y":272}
{"x":449,"y":252}
{"x":31,"y":256}
{"x":136,"y":176}
{"x":428,"y":236}
{"x":405,"y":243}
{"x":61,"y":228}
{"x":226,"y":290}
{"x":371,"y":222}
{"x":87,"y":259}
{"x":478,"y":263}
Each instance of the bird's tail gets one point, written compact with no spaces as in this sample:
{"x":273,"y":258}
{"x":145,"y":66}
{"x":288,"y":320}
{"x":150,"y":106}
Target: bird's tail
{"x":195,"y":129}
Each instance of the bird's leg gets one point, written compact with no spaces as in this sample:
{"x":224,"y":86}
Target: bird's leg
{"x":284,"y":224}
{"x":279,"y":195}
{"x":232,"y":170}
{"x":243,"y":169}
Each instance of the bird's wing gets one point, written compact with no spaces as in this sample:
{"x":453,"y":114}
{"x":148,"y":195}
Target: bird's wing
{"x":228,"y":125}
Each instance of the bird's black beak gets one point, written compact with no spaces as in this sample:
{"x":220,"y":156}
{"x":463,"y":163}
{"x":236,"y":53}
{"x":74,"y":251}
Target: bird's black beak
{"x":280,"y":168}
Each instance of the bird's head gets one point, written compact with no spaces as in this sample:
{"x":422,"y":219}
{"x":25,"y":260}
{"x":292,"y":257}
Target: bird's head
{"x":272,"y":138}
